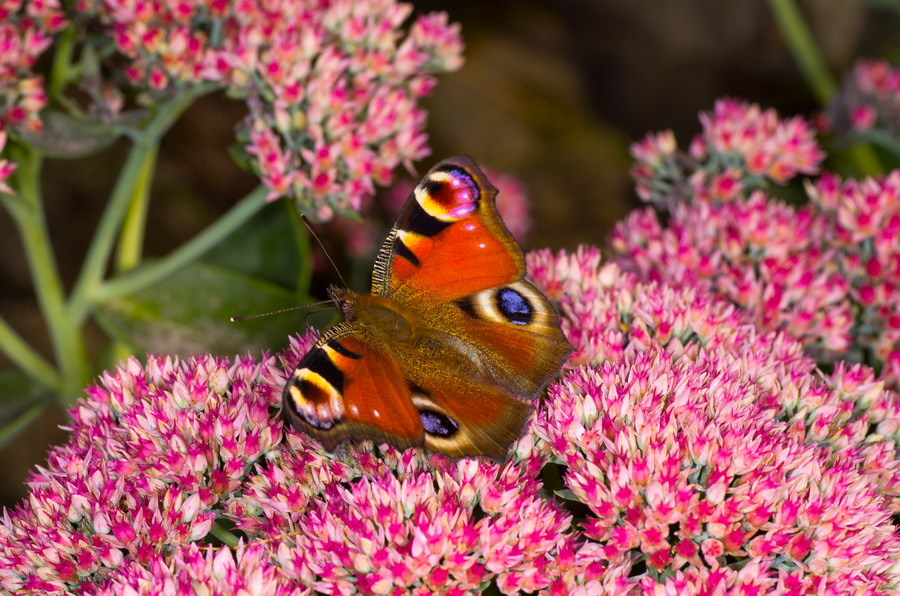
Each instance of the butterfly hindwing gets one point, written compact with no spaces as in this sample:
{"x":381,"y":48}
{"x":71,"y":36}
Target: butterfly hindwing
{"x":346,"y":389}
{"x":462,"y":417}
{"x":520,"y":330}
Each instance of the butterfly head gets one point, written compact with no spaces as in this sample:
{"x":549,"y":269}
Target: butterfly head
{"x":344,"y":300}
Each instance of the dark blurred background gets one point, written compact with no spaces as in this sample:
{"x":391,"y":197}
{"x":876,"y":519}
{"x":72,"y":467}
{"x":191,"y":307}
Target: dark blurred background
{"x":553,"y":92}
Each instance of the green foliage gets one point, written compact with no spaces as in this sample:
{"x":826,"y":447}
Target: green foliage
{"x":189,"y":313}
{"x":23,"y":402}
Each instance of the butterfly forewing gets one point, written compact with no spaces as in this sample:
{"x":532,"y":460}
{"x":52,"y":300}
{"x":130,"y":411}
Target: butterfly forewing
{"x":449,"y":241}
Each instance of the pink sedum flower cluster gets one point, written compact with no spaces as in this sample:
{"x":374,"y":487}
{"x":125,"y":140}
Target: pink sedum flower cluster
{"x":827,"y":272}
{"x":709,"y":454}
{"x":26,"y":31}
{"x":758,"y":140}
{"x":869,"y":99}
{"x":711,"y":457}
{"x":863,"y":220}
{"x":160,"y":453}
{"x":771,"y":259}
{"x":152,"y":450}
{"x":418,"y":531}
{"x":741,"y":147}
{"x":332,"y":87}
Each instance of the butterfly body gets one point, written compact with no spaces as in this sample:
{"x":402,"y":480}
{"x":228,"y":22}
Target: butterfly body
{"x":451,"y":346}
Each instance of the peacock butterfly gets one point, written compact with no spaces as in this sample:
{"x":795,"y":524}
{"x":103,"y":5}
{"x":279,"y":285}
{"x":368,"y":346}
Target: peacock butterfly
{"x":452,"y":345}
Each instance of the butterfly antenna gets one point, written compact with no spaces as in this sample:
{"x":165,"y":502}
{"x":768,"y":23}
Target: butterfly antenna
{"x":324,"y":250}
{"x":313,"y":312}
{"x":279,"y":311}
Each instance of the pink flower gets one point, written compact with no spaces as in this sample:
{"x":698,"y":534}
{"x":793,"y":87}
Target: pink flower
{"x":196,"y":569}
{"x":863,"y":227}
{"x":655,"y":149}
{"x":777,"y":149}
{"x":513,"y":203}
{"x":863,"y":118}
{"x":766,"y":257}
{"x":608,"y":315}
{"x":705,"y":449}
{"x":739,"y":147}
{"x":350,"y":90}
{"x":709,"y":455}
{"x":420,"y":530}
{"x":159,"y":453}
{"x":151,"y":450}
{"x":827,"y":273}
{"x":26,"y":31}
{"x":340,"y":77}
{"x":6,"y":167}
{"x":869,"y":99}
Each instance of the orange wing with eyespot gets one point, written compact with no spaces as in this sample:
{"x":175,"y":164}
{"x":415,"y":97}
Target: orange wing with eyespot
{"x":344,"y":388}
{"x":449,"y":241}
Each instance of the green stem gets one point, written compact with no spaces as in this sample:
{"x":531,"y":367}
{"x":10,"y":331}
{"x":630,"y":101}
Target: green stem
{"x":62,"y":62}
{"x":867,"y":161}
{"x":20,"y":423}
{"x":152,"y":273}
{"x":30,"y":362}
{"x":131,"y":239}
{"x":128,"y":185}
{"x":68,"y":346}
{"x":804,"y":49}
{"x":812,"y":65}
{"x":92,"y":269}
{"x":226,"y":537}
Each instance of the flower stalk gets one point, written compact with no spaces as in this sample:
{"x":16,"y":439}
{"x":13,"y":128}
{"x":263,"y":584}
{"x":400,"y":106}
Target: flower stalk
{"x":812,"y":65}
{"x":138,"y":279}
{"x":131,"y":237}
{"x":27,"y":359}
{"x":805,"y":50}
{"x":27,"y":209}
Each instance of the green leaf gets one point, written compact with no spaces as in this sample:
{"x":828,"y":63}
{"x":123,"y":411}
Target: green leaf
{"x":881,"y":138}
{"x":893,"y":5}
{"x":22,"y":402}
{"x":189,"y":313}
{"x":567,"y":494}
{"x":90,"y":65}
{"x":239,"y":154}
{"x":66,"y":136}
{"x":264,"y":247}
